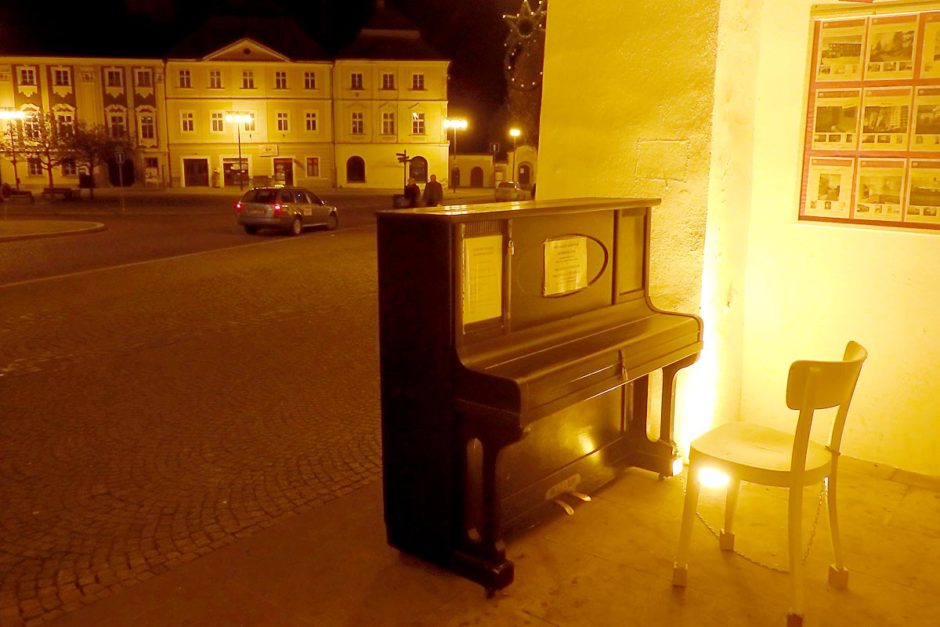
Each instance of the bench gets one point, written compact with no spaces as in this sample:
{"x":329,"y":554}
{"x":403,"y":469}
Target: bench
{"x":20,"y":195}
{"x":66,"y":193}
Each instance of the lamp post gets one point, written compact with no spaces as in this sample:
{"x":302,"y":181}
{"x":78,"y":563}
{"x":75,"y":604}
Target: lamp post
{"x":239,"y":119}
{"x":514,"y":133}
{"x":10,"y":116}
{"x":456,"y":124}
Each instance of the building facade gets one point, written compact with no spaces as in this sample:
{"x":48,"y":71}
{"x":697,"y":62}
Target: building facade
{"x":228,"y":110}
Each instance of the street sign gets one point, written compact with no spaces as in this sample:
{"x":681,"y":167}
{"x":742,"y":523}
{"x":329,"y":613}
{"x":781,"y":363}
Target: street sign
{"x":402,"y":157}
{"x":119,"y":156}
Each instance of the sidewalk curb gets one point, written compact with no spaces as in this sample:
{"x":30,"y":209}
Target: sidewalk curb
{"x":91,"y":227}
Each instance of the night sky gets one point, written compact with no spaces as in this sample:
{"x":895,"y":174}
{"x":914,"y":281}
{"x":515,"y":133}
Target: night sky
{"x":469,"y":32}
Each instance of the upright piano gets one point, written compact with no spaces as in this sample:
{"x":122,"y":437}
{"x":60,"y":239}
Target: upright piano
{"x":516,"y":344}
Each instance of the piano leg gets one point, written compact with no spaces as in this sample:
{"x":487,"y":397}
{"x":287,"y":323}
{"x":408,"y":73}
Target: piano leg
{"x":656,"y":456}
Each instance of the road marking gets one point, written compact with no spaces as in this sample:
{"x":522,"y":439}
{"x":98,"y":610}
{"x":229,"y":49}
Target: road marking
{"x":182,"y":256}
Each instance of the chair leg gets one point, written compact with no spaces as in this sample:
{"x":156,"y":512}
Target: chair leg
{"x":681,"y":567}
{"x":795,"y":535}
{"x":838,"y":573}
{"x":726,"y":539}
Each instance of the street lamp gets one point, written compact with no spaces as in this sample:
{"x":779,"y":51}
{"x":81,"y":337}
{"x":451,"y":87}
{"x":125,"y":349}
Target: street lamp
{"x":456,"y":124}
{"x":10,"y":116}
{"x":514,"y":133}
{"x":239,"y":119}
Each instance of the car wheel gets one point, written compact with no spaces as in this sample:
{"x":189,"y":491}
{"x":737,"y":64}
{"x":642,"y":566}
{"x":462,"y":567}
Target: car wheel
{"x":296,"y":227}
{"x":332,"y":222}
{"x":251,"y":230}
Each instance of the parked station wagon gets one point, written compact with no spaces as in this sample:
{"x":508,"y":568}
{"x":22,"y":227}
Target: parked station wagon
{"x":289,"y":209}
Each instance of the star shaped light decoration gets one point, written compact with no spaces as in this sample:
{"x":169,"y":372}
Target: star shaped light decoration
{"x":524,"y":45}
{"x":527,"y":22}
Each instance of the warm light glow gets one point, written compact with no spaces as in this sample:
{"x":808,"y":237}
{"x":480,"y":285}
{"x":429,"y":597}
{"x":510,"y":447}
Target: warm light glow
{"x":586,"y":443}
{"x":458,"y":124}
{"x":12,"y":115}
{"x":712,"y":478}
{"x":514,"y":132}
{"x":677,"y":466}
{"x":240,"y":118}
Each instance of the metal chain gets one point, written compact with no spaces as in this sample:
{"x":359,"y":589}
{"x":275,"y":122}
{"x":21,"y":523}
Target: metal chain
{"x":812,"y":534}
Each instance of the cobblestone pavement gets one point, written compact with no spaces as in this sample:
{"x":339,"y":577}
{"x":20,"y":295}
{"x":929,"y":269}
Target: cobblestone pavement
{"x":152,"y":413}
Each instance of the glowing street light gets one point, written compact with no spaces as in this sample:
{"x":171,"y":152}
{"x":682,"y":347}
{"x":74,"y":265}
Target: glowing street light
{"x":10,"y":117}
{"x":514,"y":133}
{"x":239,"y":119}
{"x":456,"y":124}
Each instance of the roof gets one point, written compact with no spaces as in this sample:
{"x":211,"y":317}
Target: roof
{"x":279,"y":33}
{"x":390,"y":35}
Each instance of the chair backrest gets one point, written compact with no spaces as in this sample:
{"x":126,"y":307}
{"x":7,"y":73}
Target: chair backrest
{"x":816,"y":385}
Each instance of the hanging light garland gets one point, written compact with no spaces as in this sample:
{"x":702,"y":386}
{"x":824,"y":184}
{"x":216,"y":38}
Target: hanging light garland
{"x":526,"y":36}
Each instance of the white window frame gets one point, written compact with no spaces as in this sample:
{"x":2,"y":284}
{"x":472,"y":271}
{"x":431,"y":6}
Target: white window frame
{"x":185,"y":79}
{"x":69,"y":168}
{"x":358,"y":123}
{"x":310,"y":80}
{"x":217,"y":122}
{"x":62,"y":77}
{"x":65,"y":119}
{"x":215,"y":79}
{"x":114,"y":77}
{"x":388,"y":80}
{"x":417,"y":81}
{"x":311,"y":121}
{"x":280,"y":79}
{"x":143,"y":72}
{"x":119,"y":116}
{"x":355,"y":81}
{"x":388,"y":123}
{"x":283,"y":121}
{"x":187,"y":119}
{"x":248,"y":79}
{"x":34,"y":166}
{"x":418,"y":126}
{"x":250,"y":125}
{"x":315,"y":162}
{"x":28,"y":76}
{"x":141,"y":117}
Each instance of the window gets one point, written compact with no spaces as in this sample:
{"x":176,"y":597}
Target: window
{"x":31,"y":125}
{"x":417,"y":124}
{"x":282,"y":121}
{"x":62,"y":77}
{"x":27,"y":76}
{"x":388,"y":81}
{"x":65,"y":123}
{"x":311,"y":121}
{"x":144,"y":78}
{"x":310,"y":80}
{"x":358,"y":123}
{"x":114,"y":78}
{"x":185,"y":79}
{"x":355,"y":170}
{"x":187,"y":122}
{"x":280,"y":80}
{"x":417,"y":81}
{"x":313,"y":166}
{"x":35,"y":166}
{"x":355,"y":80}
{"x":147,"y":126}
{"x":248,"y":79}
{"x":118,"y":124}
{"x":68,"y":167}
{"x":151,"y":162}
{"x":388,"y":123}
{"x":215,"y":79}
{"x":249,"y":126}
{"x":218,"y":122}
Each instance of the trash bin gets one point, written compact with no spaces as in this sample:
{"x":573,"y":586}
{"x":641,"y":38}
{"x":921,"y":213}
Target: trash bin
{"x":399,"y":201}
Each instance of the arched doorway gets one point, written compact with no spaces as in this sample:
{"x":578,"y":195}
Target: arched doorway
{"x":125,"y":176}
{"x":455,"y":178}
{"x":355,"y":170}
{"x":525,"y":174}
{"x":476,"y":177}
{"x":418,"y":169}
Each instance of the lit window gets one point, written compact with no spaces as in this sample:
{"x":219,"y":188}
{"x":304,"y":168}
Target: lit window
{"x":282,"y":121}
{"x":355,"y":80}
{"x":118,"y":124}
{"x":35,"y":166}
{"x":388,"y":81}
{"x":417,"y":81}
{"x":114,"y":78}
{"x":68,"y":167}
{"x":185,"y":79}
{"x":218,"y":122}
{"x":215,"y":79}
{"x":62,"y":77}
{"x":310,"y":80}
{"x":27,"y":76}
{"x":388,"y":123}
{"x":280,"y":80}
{"x":147,"y":126}
{"x":313,"y":166}
{"x":248,"y":79}
{"x":311,"y":121}
{"x":250,"y":124}
{"x":358,"y":123}
{"x":144,"y":78}
{"x":188,"y":122}
{"x":417,"y":124}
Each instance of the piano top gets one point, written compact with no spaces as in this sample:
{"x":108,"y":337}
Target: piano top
{"x":528,"y":208}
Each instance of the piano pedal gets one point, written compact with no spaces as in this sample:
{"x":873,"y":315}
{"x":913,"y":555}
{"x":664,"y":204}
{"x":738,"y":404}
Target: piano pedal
{"x":581,"y":496}
{"x":567,"y":508}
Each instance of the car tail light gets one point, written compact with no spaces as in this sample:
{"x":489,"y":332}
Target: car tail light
{"x":277,"y":210}
{"x":238,"y":207}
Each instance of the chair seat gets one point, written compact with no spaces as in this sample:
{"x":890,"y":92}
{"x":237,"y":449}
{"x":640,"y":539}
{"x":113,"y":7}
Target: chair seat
{"x":759,"y":452}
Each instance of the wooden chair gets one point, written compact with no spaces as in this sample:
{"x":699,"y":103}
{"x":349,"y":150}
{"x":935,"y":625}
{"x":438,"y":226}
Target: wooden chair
{"x":750,"y":452}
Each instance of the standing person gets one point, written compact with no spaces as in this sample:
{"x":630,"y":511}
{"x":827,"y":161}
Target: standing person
{"x":412,"y":193}
{"x":433,"y":192}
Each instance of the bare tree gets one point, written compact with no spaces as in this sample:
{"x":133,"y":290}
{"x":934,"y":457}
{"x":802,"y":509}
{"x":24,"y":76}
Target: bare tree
{"x":93,"y":146}
{"x":47,"y":141}
{"x":11,"y":147}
